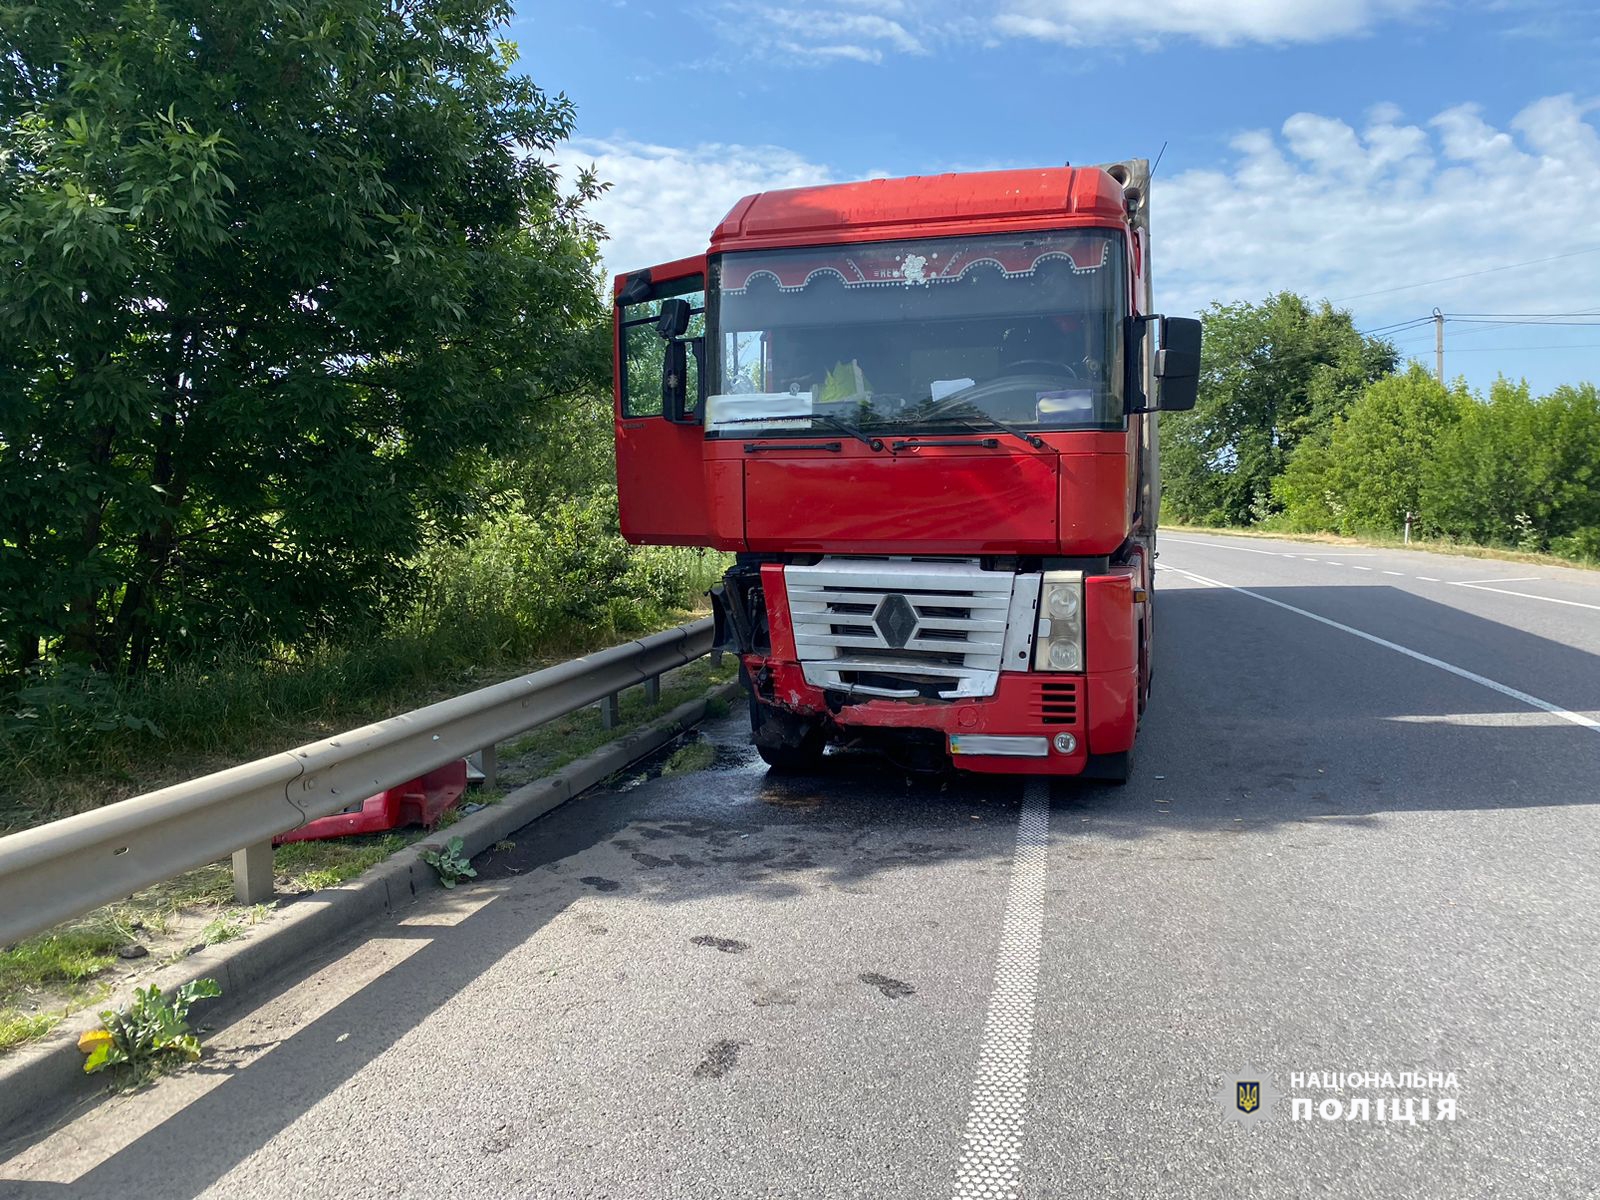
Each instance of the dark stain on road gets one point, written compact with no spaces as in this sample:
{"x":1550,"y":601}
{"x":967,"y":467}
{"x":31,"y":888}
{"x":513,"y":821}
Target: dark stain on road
{"x":726,"y":945}
{"x":600,"y":883}
{"x":719,"y":1059}
{"x":651,"y":862}
{"x":895,"y":989}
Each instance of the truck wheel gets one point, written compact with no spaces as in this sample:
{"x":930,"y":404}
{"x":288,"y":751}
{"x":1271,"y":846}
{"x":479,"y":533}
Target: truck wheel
{"x":786,"y":741}
{"x":1109,"y":768}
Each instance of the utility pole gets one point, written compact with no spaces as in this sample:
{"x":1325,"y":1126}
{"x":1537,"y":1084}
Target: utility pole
{"x":1438,"y":345}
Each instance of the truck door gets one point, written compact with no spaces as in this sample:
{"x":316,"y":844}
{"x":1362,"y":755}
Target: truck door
{"x":661,"y":491}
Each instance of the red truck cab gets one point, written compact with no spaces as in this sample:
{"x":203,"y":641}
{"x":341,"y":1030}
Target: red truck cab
{"x":921,"y":413}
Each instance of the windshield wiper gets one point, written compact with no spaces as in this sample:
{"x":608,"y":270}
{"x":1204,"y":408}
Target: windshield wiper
{"x":865,"y":439}
{"x":980,"y":420}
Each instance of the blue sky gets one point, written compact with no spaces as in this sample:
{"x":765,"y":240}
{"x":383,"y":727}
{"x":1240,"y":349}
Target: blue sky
{"x":1334,"y":147}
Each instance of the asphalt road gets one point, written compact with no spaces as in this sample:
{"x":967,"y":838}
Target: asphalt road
{"x":1361,"y":838}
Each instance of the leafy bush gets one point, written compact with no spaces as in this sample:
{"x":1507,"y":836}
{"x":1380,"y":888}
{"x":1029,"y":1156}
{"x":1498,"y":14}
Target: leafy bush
{"x":1582,"y":546}
{"x":1365,"y":472}
{"x":451,"y":863}
{"x":150,"y":1034}
{"x":539,"y":579}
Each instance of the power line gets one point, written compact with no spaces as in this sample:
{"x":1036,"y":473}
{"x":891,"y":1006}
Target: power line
{"x":1509,"y":324}
{"x":1504,"y":324}
{"x":1406,"y":287}
{"x":1396,"y":327}
{"x":1491,"y":322}
{"x":1509,"y":349}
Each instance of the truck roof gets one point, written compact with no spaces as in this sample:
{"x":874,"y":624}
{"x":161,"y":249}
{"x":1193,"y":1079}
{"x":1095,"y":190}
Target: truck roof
{"x":922,"y":206}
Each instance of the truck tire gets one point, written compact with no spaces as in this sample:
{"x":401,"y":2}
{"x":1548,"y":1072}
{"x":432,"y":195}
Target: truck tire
{"x":786,"y":741}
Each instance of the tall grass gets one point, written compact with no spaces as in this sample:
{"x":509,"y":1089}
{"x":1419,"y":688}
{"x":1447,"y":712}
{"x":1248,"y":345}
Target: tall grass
{"x":522,"y":590}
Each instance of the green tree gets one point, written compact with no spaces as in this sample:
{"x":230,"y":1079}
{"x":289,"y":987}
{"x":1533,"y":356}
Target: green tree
{"x":1364,"y":474}
{"x":278,"y":276}
{"x":1520,"y":471}
{"x":1271,"y":374}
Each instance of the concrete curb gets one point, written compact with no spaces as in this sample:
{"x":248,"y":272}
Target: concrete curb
{"x":38,"y":1081}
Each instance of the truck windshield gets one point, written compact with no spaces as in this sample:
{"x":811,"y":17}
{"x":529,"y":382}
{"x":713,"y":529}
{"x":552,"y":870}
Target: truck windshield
{"x":917,"y":336}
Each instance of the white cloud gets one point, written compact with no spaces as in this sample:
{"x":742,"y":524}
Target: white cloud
{"x":858,"y":30}
{"x":1325,"y":209}
{"x":664,"y":201}
{"x":869,"y":30}
{"x":1219,"y":22}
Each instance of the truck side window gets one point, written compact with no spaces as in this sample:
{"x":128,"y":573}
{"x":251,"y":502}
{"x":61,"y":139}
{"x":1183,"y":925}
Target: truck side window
{"x":643,"y":350}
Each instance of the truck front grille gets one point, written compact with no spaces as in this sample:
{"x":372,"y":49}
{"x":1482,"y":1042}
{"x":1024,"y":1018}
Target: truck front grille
{"x":902,"y":628}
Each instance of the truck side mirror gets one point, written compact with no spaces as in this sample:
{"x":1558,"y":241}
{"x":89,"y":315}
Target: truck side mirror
{"x":674,"y":380}
{"x":1177,"y":365}
{"x":676,"y":403}
{"x":674,"y":319}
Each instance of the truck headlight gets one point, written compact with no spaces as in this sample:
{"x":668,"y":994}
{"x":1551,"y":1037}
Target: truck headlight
{"x":1064,"y":656}
{"x":1060,"y":636}
{"x":1062,"y":601}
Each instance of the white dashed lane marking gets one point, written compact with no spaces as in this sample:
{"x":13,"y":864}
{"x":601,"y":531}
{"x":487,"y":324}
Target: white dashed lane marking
{"x":997,"y":1115}
{"x":1482,"y":585}
{"x":1554,"y":710}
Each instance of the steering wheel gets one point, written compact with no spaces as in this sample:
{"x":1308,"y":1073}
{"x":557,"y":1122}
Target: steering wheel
{"x":1002,"y":385}
{"x":1035,"y":363}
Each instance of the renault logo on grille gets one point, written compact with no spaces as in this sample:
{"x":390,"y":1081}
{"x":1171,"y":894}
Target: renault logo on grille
{"x":895,"y":620}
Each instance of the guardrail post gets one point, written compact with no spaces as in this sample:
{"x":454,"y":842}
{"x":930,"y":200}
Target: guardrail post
{"x":486,"y":761}
{"x":611,"y":711}
{"x":652,"y":690}
{"x":252,"y":874}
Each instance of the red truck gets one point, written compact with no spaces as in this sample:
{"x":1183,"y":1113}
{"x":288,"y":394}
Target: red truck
{"x":922,"y":414}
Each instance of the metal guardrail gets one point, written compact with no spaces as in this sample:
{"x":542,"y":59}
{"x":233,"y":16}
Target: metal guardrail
{"x":54,"y":872}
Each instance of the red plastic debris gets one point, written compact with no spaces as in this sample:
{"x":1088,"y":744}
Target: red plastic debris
{"x":420,"y":802}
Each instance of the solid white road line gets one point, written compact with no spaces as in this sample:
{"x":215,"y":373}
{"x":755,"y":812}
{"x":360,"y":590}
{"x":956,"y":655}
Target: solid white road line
{"x":1532,"y":701}
{"x":1221,"y":546}
{"x":997,"y":1115}
{"x":1513,"y":579}
{"x":1478,"y":587}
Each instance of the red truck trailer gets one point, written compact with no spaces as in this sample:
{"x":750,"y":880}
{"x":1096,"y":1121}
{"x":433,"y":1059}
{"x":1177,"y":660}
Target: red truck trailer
{"x":922,"y":414}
